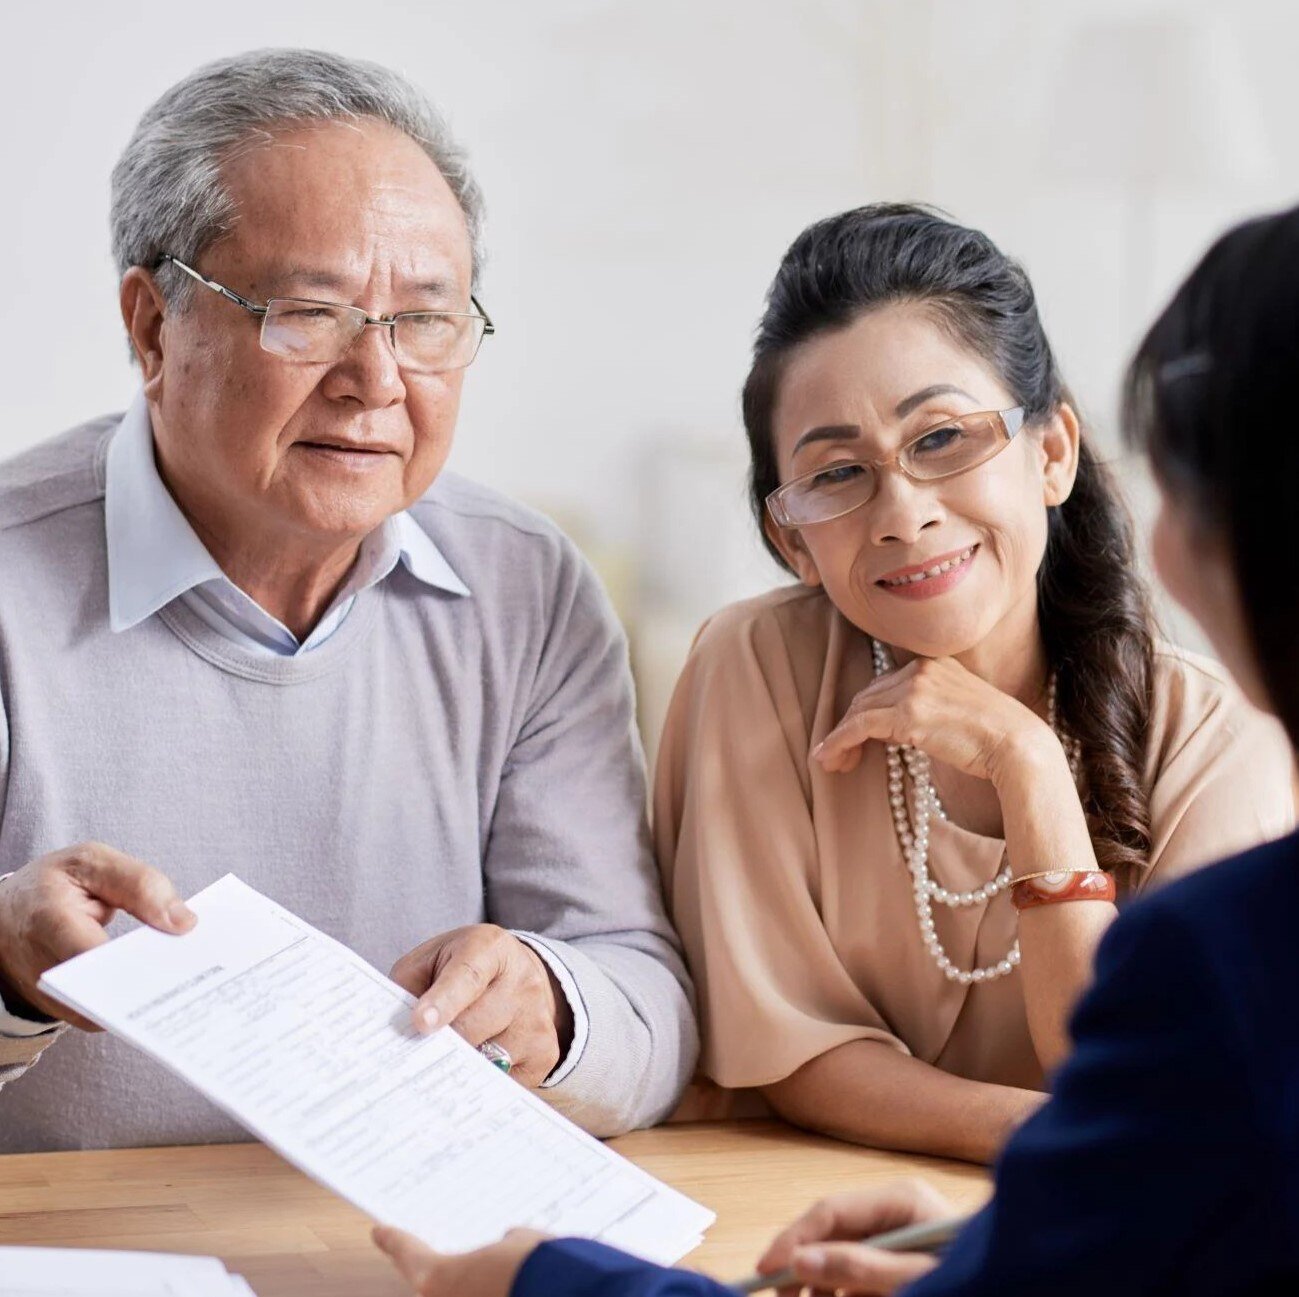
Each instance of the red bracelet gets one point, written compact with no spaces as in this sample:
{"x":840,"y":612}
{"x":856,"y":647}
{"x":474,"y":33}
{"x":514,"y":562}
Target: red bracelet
{"x":1062,"y":885}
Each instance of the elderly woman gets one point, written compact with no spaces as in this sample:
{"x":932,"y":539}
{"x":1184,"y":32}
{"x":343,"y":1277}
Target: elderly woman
{"x":1166,"y":1160}
{"x":866,"y":776}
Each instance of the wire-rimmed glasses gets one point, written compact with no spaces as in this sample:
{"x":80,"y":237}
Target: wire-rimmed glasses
{"x":944,"y":450}
{"x":311,"y":332}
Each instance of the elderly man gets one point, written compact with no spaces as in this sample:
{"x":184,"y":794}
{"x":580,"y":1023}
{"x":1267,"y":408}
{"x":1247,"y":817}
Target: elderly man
{"x":251,"y":626}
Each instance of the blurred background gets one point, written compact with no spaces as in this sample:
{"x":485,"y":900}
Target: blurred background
{"x":645,"y":166}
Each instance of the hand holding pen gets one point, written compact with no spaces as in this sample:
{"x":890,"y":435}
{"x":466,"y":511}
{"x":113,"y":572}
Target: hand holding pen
{"x":865,"y":1242}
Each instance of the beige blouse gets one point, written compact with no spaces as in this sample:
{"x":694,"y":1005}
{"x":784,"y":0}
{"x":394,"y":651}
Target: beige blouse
{"x":787,"y":883}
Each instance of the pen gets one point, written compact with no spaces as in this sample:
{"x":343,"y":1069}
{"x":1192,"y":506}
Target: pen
{"x":932,"y":1236}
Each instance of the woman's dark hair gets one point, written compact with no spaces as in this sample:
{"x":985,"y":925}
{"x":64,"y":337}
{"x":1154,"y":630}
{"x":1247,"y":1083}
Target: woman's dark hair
{"x":1211,"y":396}
{"x":1093,"y":608}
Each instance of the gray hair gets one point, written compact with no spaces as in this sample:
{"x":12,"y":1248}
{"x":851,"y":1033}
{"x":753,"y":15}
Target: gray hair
{"x":167,"y":194}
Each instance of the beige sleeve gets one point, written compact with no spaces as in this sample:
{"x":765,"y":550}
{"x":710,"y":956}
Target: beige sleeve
{"x":1225,"y":779}
{"x":737,"y":847}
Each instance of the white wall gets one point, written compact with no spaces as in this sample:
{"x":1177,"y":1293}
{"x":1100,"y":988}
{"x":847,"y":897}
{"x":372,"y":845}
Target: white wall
{"x":1010,"y":140}
{"x":645,"y":165}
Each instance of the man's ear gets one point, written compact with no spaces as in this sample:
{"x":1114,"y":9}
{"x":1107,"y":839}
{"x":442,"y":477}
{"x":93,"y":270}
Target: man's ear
{"x":789,"y":541}
{"x":143,"y":312}
{"x":1059,"y":438}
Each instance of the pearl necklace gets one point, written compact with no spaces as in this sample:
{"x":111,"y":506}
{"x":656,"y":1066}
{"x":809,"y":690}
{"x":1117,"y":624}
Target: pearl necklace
{"x":913,"y":837}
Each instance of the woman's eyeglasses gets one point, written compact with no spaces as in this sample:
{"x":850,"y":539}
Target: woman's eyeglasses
{"x":945,"y":450}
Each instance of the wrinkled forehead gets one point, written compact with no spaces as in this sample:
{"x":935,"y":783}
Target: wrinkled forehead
{"x":345,"y":195}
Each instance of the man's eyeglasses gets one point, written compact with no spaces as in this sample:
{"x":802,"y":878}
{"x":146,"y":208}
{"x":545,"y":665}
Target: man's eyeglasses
{"x":309,"y":332}
{"x":951,"y":447}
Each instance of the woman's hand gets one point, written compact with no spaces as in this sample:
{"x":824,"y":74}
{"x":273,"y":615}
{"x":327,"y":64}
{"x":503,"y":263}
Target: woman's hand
{"x":489,"y":1272}
{"x":936,"y":705}
{"x":816,"y":1247}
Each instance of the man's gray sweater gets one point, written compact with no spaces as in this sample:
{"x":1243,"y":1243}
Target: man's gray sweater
{"x":438,"y":761}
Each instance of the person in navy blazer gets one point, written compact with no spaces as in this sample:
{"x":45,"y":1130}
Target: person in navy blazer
{"x":1167,"y":1160}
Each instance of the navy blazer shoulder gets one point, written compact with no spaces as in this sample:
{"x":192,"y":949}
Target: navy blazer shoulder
{"x":1167,"y":1160}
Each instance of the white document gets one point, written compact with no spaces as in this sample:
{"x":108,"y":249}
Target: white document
{"x":77,"y":1272}
{"x":313,"y":1050}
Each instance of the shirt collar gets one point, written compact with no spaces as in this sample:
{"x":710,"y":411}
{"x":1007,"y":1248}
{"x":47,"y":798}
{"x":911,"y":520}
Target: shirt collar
{"x":153,"y":552}
{"x":423,"y":560}
{"x":154,"y":555}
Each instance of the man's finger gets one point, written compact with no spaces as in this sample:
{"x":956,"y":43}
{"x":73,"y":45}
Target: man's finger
{"x":490,"y":1016}
{"x":456,"y":987}
{"x":127,"y":884}
{"x":533,"y":1054}
{"x":412,"y":971}
{"x":59,"y":938}
{"x":53,"y":1009}
{"x":412,"y":1257}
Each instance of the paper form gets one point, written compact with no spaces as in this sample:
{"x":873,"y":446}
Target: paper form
{"x":77,"y":1272}
{"x":313,"y":1050}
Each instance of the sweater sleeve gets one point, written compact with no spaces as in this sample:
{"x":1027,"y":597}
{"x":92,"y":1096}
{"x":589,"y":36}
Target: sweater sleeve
{"x":579,"y":1268}
{"x":568,"y":862}
{"x":22,"y":1041}
{"x":1144,"y":1150}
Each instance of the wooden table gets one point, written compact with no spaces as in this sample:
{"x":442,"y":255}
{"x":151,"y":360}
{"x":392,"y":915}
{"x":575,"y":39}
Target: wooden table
{"x":288,"y":1236}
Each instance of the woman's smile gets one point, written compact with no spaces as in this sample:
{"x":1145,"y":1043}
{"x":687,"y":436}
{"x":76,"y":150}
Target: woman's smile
{"x":930,"y":579}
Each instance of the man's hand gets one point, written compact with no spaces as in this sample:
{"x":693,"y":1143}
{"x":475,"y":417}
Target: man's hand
{"x":59,"y":905}
{"x":823,"y":1249}
{"x":489,"y":985}
{"x":489,"y":1272}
